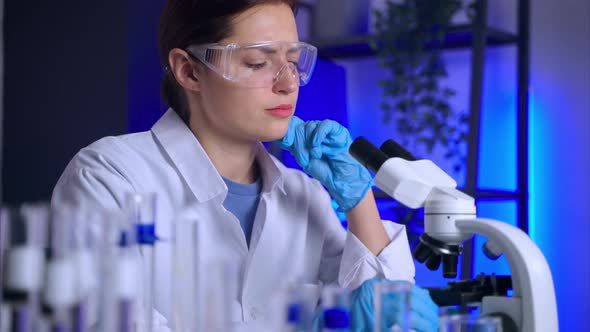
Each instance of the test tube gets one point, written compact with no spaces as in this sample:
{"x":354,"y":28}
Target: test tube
{"x":86,"y":235}
{"x":4,"y":239}
{"x":335,"y":309}
{"x":469,"y":323}
{"x":487,"y":324}
{"x":142,"y":211}
{"x":59,"y":291}
{"x":391,"y":297}
{"x":298,"y":302}
{"x":119,"y":267}
{"x":24,"y":264}
{"x":185,"y":276}
{"x":218,"y":286}
{"x":126,"y":272}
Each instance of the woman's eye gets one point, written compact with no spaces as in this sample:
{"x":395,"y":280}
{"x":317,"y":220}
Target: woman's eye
{"x":256,"y":66}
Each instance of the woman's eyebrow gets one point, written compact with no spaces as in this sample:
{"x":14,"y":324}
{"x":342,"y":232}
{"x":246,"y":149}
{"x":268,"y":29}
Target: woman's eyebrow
{"x":271,"y":50}
{"x":267,"y":49}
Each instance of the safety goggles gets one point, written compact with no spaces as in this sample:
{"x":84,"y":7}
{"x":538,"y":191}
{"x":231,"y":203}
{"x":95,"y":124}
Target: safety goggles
{"x":258,"y":65}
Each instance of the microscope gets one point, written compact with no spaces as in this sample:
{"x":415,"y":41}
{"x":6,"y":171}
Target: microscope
{"x":450,"y":218}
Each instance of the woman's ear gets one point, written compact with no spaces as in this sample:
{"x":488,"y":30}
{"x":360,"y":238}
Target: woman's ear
{"x":184,"y":69}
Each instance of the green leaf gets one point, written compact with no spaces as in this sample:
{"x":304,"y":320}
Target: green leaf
{"x":414,"y":93}
{"x":426,"y":101}
{"x":448,"y":93}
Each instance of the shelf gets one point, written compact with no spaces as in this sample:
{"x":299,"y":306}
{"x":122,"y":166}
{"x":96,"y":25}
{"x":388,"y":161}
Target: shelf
{"x":458,"y":36}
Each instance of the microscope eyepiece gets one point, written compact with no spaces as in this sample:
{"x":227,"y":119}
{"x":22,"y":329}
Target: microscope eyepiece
{"x":392,"y":150}
{"x":367,"y":154}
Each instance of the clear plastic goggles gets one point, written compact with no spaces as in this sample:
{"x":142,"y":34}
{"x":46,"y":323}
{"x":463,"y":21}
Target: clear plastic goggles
{"x":258,"y":65}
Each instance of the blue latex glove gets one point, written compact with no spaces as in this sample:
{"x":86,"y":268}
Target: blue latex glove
{"x":321,"y":149}
{"x":423,"y":315}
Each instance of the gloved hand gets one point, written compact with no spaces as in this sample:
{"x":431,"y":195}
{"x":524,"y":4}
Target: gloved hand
{"x":423,"y":315}
{"x":321,"y":149}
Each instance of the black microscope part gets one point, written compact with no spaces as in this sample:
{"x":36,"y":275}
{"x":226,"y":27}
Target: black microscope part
{"x":440,"y":246}
{"x":422,"y":252}
{"x":464,"y":292}
{"x":367,"y":154}
{"x":392,"y":150}
{"x":450,"y":265}
{"x":433,"y":262}
{"x":435,"y":246}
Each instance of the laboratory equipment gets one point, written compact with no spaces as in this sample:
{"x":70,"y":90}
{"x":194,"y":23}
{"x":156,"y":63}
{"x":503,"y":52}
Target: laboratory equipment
{"x":24,"y":264}
{"x":141,"y":209}
{"x":391,"y":298}
{"x":450,"y":219}
{"x":119,"y":270}
{"x":295,"y":304}
{"x":303,"y":301}
{"x":469,"y":323}
{"x":465,"y":292}
{"x":186,"y":277}
{"x":335,"y":309}
{"x":86,"y":229}
{"x":218,"y":287}
{"x":204,"y":285}
{"x":4,"y":238}
{"x":59,"y":293}
{"x":293,"y":316}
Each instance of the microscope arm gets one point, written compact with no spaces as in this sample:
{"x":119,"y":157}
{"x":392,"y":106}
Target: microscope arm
{"x":531,"y":277}
{"x":450,"y":218}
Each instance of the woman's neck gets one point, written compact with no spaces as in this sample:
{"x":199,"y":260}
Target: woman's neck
{"x":233,"y":157}
{"x":234,"y":160}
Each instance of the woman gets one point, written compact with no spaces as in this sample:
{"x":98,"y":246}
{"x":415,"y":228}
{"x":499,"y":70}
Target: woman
{"x":232,"y":75}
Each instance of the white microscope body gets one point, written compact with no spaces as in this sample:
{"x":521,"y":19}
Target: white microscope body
{"x":450,"y":217}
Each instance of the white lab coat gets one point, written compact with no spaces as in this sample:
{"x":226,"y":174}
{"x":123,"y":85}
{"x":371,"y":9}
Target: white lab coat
{"x":296,"y":233}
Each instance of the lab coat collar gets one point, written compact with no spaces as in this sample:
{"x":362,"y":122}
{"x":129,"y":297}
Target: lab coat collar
{"x":272,"y":174}
{"x":193,"y":163}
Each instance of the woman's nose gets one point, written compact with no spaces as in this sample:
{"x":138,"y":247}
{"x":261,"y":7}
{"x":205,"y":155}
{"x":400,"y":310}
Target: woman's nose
{"x":287,"y":79}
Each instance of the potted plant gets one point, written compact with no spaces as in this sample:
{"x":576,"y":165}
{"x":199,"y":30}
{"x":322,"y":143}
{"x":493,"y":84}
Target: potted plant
{"x":408,"y":39}
{"x":409,"y":36}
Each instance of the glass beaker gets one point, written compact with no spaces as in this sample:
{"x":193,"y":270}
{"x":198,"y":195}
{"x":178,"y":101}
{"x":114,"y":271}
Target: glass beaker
{"x":391,"y":302}
{"x":335,"y":309}
{"x":469,"y":323}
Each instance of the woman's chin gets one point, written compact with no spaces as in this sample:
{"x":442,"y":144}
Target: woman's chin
{"x":272,"y":138}
{"x":275,"y":132}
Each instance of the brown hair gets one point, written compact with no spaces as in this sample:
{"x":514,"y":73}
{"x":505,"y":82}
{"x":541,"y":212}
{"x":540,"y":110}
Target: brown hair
{"x":188,"y":22}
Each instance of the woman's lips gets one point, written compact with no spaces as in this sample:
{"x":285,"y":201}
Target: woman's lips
{"x":281,"y":110}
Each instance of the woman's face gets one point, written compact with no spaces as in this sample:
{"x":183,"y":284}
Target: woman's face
{"x":248,"y":114}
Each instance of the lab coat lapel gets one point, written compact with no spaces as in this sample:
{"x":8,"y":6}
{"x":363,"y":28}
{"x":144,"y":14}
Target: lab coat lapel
{"x":276,"y":247}
{"x":272,"y":180}
{"x":277,"y":258}
{"x":189,"y":157}
{"x":201,"y":176}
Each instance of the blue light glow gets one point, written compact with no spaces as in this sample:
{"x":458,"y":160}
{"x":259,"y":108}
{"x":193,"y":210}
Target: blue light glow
{"x":540,"y":142}
{"x":532,"y":164}
{"x":498,"y":135}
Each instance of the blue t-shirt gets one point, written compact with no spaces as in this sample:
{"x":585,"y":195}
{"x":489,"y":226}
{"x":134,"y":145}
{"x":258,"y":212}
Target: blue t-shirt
{"x":242,"y":200}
